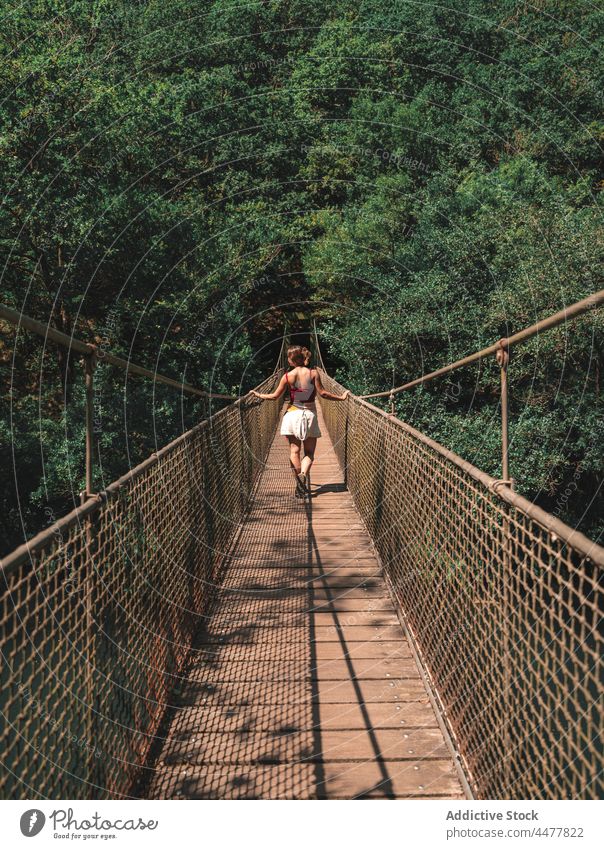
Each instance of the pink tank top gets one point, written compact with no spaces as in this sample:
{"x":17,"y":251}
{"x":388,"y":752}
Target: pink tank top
{"x":306,"y":392}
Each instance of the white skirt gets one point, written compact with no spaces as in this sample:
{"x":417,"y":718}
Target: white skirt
{"x":300,"y":422}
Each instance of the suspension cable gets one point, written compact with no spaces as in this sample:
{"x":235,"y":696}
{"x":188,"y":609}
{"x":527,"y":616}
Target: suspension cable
{"x":318,"y":354}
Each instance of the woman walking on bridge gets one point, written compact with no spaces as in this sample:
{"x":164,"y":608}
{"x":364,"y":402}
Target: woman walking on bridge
{"x":299,"y":424}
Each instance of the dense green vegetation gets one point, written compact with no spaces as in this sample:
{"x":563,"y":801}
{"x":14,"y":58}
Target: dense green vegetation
{"x":178,"y":176}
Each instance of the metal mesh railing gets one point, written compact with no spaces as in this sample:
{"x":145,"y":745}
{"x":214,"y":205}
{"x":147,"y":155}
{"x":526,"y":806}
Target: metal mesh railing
{"x":98,"y":611}
{"x":503,"y":602}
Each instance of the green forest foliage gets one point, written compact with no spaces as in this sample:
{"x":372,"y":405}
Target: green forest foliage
{"x":179,"y":175}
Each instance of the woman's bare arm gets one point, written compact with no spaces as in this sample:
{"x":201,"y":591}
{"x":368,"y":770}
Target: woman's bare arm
{"x":270,"y":396}
{"x":328,"y":395}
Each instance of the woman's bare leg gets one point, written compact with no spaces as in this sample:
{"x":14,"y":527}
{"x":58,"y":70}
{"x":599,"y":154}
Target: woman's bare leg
{"x":294,"y":454}
{"x":310,"y":443}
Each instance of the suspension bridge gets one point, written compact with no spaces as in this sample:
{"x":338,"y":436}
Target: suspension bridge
{"x":415,"y":628}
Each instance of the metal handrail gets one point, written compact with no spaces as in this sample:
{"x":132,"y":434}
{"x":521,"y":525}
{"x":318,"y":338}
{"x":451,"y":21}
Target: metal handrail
{"x":586,"y":546}
{"x":92,"y":354}
{"x":500,"y":599}
{"x":108,"y":600}
{"x":91,"y":502}
{"x":501,"y":350}
{"x":504,"y":344}
{"x":583,"y":544}
{"x":88,"y":349}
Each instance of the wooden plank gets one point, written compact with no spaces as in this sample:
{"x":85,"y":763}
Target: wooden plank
{"x":404,"y":780}
{"x":427,"y":779}
{"x":249,"y":747}
{"x":286,"y":571}
{"x":301,"y":683}
{"x":204,"y":718}
{"x":257,"y":653}
{"x":261,"y":580}
{"x":226,"y":618}
{"x":306,"y":559}
{"x":298,"y":692}
{"x":287,"y":605}
{"x":304,"y":591}
{"x":327,"y":561}
{"x":263,"y":634}
{"x":390,"y":690}
{"x":303,"y":670}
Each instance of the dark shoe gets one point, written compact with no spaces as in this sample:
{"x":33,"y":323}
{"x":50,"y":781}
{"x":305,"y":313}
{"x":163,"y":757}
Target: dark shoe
{"x":301,"y":485}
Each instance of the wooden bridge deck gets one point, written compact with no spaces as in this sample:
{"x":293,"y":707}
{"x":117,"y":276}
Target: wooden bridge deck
{"x":302,"y":685}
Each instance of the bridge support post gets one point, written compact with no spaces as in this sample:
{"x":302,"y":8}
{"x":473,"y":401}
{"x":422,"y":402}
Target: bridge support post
{"x":90,"y":361}
{"x":503,"y":358}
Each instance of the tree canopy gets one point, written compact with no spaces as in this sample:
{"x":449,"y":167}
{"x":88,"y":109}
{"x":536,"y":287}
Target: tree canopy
{"x":179,"y":177}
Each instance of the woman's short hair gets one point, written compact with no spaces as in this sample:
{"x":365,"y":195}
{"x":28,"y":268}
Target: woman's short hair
{"x":299,"y":355}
